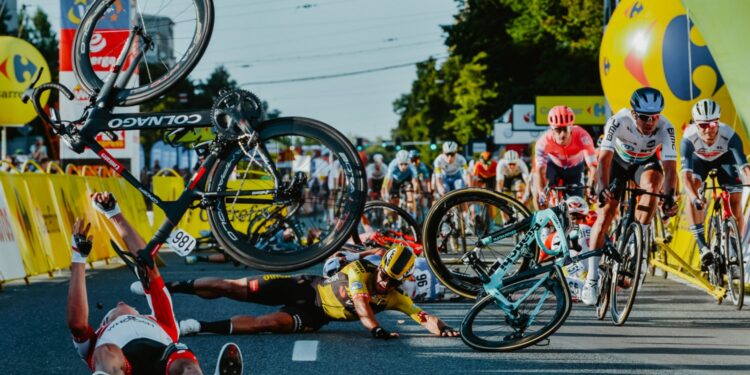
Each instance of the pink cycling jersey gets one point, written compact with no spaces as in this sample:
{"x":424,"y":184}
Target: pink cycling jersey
{"x":581,"y":148}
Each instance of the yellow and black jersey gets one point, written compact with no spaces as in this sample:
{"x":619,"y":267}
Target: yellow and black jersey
{"x":356,"y":280}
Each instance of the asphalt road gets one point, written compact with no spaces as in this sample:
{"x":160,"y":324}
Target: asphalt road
{"x":673,"y":329}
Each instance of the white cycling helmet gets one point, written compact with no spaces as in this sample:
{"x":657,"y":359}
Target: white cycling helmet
{"x":577,"y":205}
{"x":450,"y":147}
{"x":402,"y":157}
{"x":378,"y":158}
{"x":511,"y":156}
{"x":706,"y":110}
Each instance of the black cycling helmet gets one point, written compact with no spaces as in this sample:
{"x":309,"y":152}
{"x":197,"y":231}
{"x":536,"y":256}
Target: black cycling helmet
{"x":647,"y":100}
{"x":413,"y":154}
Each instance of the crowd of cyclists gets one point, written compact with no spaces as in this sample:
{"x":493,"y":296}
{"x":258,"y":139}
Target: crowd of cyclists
{"x":638,"y":147}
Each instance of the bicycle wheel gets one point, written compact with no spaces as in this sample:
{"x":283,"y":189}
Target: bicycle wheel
{"x":540,"y":312}
{"x":626,"y":275}
{"x":286,"y":231}
{"x":602,"y":302}
{"x":715,"y":243}
{"x":733,"y":263}
{"x":387,"y":217}
{"x":445,"y":242}
{"x":179,"y":34}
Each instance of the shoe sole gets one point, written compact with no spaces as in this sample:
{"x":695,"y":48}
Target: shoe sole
{"x":235,"y":369}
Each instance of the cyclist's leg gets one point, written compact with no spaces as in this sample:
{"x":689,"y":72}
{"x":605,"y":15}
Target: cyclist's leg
{"x":574,"y":176}
{"x":695,"y":217}
{"x":650,"y":177}
{"x":606,"y":215}
{"x":727,"y":175}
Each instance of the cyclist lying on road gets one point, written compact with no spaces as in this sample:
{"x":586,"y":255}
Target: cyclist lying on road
{"x":126,"y":341}
{"x":358,"y":292}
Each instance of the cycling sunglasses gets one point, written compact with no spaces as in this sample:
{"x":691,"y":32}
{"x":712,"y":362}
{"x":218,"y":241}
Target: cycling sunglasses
{"x":647,"y":118}
{"x":450,"y":154}
{"x":561,"y":129}
{"x":406,"y":164}
{"x":707,"y":125}
{"x":390,"y":282}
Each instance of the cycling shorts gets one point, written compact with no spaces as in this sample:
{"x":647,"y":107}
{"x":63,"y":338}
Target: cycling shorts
{"x":725,"y":168}
{"x":396,"y":187}
{"x":488,"y":182}
{"x":453,"y":181}
{"x":377,"y":184}
{"x":510,"y":183}
{"x":145,"y":356}
{"x":559,"y":176}
{"x":623,"y":172}
{"x":297,"y":295}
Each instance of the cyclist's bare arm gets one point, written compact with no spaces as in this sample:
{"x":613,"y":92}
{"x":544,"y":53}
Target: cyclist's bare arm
{"x":438,"y":327}
{"x":602,"y":175}
{"x":670,"y":176}
{"x":133,"y":241}
{"x":687,"y":182}
{"x":366,"y":315}
{"x":78,"y":304}
{"x":540,"y":179}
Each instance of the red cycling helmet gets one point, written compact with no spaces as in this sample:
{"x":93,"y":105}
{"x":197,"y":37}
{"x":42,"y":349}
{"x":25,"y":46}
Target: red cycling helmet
{"x":561,"y":116}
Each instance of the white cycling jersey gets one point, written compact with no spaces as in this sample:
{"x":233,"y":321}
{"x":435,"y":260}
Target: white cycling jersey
{"x":692,"y":146}
{"x":503,"y":171}
{"x":623,"y":138}
{"x":443,"y":167}
{"x":376,"y":171}
{"x":126,"y":328}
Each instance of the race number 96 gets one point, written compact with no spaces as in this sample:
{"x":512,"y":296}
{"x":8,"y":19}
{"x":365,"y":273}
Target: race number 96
{"x":181,"y":242}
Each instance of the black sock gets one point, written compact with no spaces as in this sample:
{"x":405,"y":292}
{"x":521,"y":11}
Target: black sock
{"x":203,"y":258}
{"x":181,"y":287}
{"x":221,"y":327}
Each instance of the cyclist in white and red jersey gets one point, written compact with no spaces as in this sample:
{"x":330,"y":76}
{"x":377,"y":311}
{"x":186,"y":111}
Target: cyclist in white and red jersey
{"x":628,"y":152}
{"x":126,"y":341}
{"x":710,"y":144}
{"x":561,"y":152}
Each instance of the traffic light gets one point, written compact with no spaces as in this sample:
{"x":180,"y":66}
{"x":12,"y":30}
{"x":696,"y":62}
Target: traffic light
{"x":433,"y":144}
{"x":384,"y":144}
{"x":360,"y":144}
{"x":398,"y":143}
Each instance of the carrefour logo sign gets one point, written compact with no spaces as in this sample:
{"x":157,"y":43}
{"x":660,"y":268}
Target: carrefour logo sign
{"x":20,"y":62}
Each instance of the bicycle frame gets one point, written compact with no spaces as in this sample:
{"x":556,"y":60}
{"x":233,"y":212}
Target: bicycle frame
{"x":495,"y":282}
{"x":98,"y":118}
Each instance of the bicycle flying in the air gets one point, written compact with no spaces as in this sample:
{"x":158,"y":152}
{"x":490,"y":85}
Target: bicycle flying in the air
{"x":253,"y":206}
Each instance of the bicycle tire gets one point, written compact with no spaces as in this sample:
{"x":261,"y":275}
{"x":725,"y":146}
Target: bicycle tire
{"x":411,"y":223}
{"x":91,"y":82}
{"x":602,"y":302}
{"x":734,"y":263}
{"x":626,"y":275}
{"x":475,"y":324}
{"x":353,"y":200}
{"x":460,"y":282}
{"x":715,"y":243}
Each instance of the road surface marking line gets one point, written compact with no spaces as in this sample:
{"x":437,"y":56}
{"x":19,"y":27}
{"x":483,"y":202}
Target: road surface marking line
{"x":305,"y":351}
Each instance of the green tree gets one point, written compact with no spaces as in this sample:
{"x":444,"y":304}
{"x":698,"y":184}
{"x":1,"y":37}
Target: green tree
{"x":502,"y":52}
{"x":471,"y":95}
{"x":37,"y":30}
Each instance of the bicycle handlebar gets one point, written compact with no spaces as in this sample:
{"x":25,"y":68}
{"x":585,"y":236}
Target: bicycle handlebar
{"x":35,"y":95}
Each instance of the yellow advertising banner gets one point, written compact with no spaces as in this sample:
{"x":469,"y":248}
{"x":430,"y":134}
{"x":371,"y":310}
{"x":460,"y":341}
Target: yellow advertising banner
{"x":26,"y":225}
{"x":589,"y":110}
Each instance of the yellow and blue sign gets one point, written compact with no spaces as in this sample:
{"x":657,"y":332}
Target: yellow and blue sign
{"x":117,"y":17}
{"x":654,"y":43}
{"x":589,"y":110}
{"x":19,"y":64}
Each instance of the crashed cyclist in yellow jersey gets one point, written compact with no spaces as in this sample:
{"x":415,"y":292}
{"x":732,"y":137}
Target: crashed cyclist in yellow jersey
{"x":358,"y":292}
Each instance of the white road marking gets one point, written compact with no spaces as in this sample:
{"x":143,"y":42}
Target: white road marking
{"x":305,"y":351}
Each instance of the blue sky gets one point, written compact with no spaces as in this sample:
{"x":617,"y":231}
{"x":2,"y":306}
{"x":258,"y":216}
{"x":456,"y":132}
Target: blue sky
{"x":260,"y":40}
